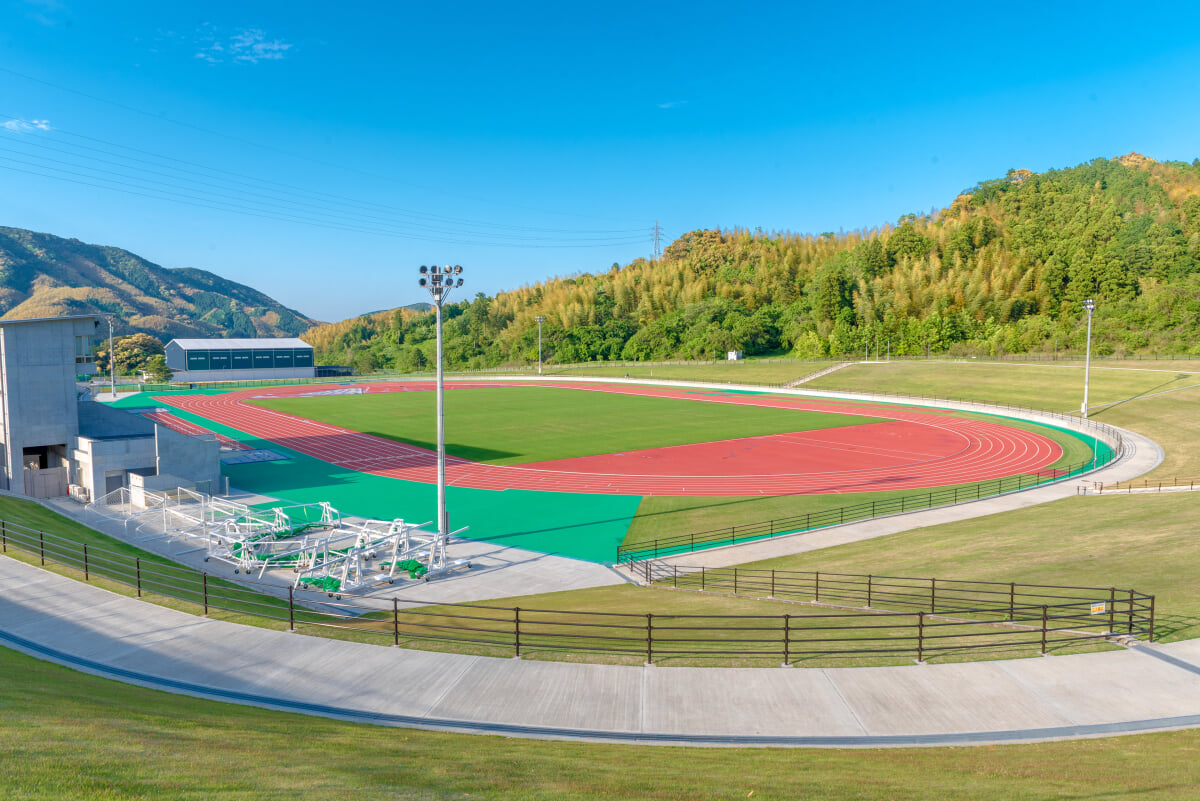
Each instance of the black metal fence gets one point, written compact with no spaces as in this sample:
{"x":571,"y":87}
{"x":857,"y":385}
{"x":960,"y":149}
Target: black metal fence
{"x":897,"y":618}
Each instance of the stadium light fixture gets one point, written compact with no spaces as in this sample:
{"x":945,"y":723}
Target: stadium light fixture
{"x":1089,"y":306}
{"x":439,"y":282}
{"x":540,"y":320}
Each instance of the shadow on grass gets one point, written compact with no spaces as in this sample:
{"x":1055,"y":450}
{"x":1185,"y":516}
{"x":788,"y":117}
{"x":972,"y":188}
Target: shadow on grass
{"x":1173,"y":626}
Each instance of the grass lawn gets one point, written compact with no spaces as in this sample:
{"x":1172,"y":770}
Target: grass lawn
{"x":1040,"y":385}
{"x":519,"y":425}
{"x":68,"y":735}
{"x":1144,"y":542}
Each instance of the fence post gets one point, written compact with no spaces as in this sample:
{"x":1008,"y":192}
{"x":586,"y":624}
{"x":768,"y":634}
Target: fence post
{"x":3,"y":536}
{"x":868,"y":592}
{"x":396,"y":622}
{"x":86,"y":575}
{"x":42,"y":547}
{"x":649,"y":638}
{"x":1012,"y":596}
{"x":735,"y":586}
{"x":772,"y":582}
{"x":137,"y":567}
{"x":932,"y":595}
{"x":701,"y":578}
{"x":693,"y":542}
{"x":1131,"y":611}
{"x":1151,"y":618}
{"x":920,"y":636}
{"x":204,"y":591}
{"x":517,"y":631}
{"x":291,"y":610}
{"x":647,"y":567}
{"x":676,"y":576}
{"x":787,"y":640}
{"x":817,"y":586}
{"x":1045,"y":616}
{"x":1112,"y":603}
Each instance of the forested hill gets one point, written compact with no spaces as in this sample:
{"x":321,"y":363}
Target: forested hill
{"x":47,"y":276}
{"x":1003,"y":269}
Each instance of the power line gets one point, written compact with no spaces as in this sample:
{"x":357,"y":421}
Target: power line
{"x":197,"y":185}
{"x":160,"y":118}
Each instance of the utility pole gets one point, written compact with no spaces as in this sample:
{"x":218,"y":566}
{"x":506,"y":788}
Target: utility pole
{"x":1089,"y":305}
{"x":112,"y":360}
{"x":657,"y":241}
{"x":540,"y":320}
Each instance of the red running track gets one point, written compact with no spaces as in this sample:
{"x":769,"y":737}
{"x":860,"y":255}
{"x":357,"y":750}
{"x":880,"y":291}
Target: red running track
{"x":915,"y":449}
{"x":192,"y":430}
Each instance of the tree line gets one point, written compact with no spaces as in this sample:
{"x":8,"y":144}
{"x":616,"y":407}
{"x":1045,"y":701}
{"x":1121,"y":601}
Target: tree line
{"x":1003,"y":269}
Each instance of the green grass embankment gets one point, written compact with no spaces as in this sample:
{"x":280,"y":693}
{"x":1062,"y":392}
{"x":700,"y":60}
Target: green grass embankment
{"x":70,"y":735}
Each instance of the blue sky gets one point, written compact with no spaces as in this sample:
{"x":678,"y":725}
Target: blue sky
{"x":321,"y":153}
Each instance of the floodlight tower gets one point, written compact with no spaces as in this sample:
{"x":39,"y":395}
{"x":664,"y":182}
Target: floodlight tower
{"x":540,"y":320}
{"x":439,"y":281}
{"x":1089,"y":305}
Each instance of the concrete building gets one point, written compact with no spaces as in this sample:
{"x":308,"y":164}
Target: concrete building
{"x":196,"y":360}
{"x":39,"y":403}
{"x":50,"y":439}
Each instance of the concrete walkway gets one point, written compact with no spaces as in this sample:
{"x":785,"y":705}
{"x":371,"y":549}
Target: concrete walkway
{"x":1134,"y":690}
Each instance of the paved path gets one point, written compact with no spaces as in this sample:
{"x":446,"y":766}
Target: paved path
{"x":81,"y":626}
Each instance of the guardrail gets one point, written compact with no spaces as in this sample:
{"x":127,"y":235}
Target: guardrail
{"x":1145,"y":485}
{"x":986,"y":625}
{"x":732,"y":535}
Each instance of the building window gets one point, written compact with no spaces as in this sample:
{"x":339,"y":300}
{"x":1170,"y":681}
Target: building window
{"x":85,"y":350}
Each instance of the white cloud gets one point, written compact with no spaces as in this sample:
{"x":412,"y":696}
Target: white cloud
{"x":253,"y":46}
{"x":672,"y":104}
{"x":25,"y":126}
{"x":249,"y":46}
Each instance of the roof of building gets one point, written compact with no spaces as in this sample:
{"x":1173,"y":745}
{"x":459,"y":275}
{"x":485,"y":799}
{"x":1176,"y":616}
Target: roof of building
{"x":239,"y":344}
{"x":52,"y":319}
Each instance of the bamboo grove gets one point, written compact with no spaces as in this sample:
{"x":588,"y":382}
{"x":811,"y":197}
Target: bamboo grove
{"x":1003,"y":269}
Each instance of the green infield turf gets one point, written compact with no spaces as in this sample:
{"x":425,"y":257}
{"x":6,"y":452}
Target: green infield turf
{"x":519,"y":425}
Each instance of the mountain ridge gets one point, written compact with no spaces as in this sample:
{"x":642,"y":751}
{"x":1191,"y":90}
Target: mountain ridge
{"x":43,"y":275}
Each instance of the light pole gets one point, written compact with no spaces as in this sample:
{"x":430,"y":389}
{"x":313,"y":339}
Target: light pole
{"x":540,"y":320}
{"x":112,"y":360}
{"x":439,"y":281}
{"x":1090,"y":306}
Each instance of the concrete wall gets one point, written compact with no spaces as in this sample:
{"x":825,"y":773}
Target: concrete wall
{"x":95,"y":458}
{"x":198,"y":459}
{"x":37,"y":390}
{"x":198,"y":376}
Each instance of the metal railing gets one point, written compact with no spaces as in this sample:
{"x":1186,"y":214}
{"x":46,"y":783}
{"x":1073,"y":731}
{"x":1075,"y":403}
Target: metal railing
{"x":867,"y":510}
{"x":931,"y":618}
{"x":1145,"y":485}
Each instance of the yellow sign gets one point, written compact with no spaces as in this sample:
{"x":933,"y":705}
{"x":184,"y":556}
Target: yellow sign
{"x":1100,"y":608}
